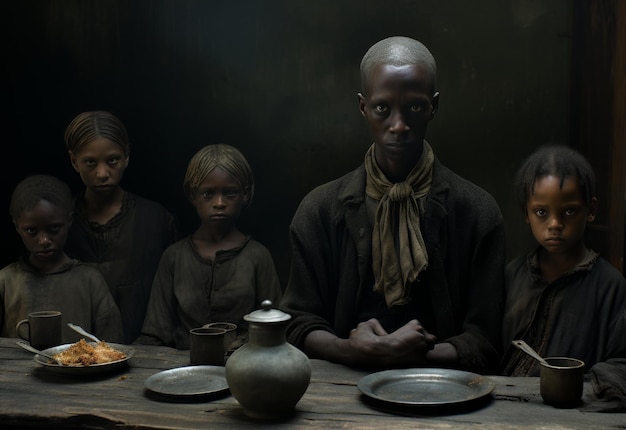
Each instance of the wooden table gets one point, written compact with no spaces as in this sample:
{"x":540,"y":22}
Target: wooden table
{"x":32,"y":397}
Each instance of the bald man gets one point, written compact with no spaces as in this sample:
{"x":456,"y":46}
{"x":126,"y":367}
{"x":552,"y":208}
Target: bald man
{"x":399,"y":262}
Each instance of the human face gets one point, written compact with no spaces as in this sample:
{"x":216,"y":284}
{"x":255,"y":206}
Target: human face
{"x":43,"y":230}
{"x":100,"y":164}
{"x":558,"y":215}
{"x":219,"y":198}
{"x":398,"y":104}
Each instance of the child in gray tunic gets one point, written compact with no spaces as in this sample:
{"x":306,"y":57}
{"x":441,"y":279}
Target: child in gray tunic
{"x":47,"y":279}
{"x":217,"y":274}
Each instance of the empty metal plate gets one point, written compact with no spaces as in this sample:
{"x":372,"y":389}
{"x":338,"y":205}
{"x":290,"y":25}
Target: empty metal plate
{"x":189,"y":381}
{"x":425,"y":387}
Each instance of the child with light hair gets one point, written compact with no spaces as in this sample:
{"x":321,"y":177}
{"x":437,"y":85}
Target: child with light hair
{"x":218,"y":273}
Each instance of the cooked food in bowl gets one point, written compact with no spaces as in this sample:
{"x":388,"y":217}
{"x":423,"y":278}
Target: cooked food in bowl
{"x":82,"y":353}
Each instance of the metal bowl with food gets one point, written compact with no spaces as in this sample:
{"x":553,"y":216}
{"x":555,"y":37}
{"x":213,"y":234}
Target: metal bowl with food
{"x":78,"y":368}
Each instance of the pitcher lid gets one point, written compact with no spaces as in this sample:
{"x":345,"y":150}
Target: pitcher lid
{"x":267,"y":314}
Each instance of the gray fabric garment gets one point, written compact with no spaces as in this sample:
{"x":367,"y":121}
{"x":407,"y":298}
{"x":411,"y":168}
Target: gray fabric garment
{"x":126,"y":250}
{"x":190,"y":291}
{"x":78,"y":292}
{"x":582,"y":314}
{"x":606,"y":390}
{"x":464,"y":235}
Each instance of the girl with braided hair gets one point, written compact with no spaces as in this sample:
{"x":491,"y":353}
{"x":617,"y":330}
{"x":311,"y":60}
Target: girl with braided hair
{"x":114,"y":230}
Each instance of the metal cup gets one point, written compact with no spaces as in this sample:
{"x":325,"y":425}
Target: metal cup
{"x":229,"y":336}
{"x":561,"y":381}
{"x":43,"y":329}
{"x":206,"y":346}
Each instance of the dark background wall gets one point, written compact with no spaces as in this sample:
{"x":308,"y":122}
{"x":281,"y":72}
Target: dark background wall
{"x":278,"y":79}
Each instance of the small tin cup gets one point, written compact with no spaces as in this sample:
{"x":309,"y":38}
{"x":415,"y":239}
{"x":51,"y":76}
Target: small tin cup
{"x":561,"y":381}
{"x":206,"y":346}
{"x":43,"y":329}
{"x":229,"y":336}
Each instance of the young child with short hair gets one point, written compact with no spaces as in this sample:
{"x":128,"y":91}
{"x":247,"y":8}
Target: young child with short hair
{"x":119,"y":233}
{"x":47,"y":279}
{"x":563,"y":299}
{"x":217,"y":273}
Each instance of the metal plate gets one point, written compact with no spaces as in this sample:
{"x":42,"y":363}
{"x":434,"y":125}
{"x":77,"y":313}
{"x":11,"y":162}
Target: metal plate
{"x":79,"y":370}
{"x":425,"y":387}
{"x":189,"y":381}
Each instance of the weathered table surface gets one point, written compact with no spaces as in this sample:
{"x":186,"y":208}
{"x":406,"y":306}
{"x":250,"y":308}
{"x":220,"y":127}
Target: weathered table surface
{"x":32,"y":397}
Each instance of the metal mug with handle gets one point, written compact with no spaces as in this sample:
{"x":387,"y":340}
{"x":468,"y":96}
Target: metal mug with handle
{"x":43,"y":329}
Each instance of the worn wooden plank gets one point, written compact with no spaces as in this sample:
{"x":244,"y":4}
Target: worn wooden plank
{"x":31,"y":397}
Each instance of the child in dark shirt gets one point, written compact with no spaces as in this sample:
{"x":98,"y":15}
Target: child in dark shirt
{"x":217,"y":273}
{"x":563,"y":299}
{"x":47,"y":279}
{"x":121,"y":234}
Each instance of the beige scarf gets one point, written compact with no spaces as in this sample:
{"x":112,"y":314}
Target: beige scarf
{"x":398,"y":215}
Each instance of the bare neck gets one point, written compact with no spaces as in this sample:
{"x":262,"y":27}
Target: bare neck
{"x":208,"y":241}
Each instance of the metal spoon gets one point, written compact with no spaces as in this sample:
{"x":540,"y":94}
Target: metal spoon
{"x":80,"y":330}
{"x":528,"y":350}
{"x":29,"y":348}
